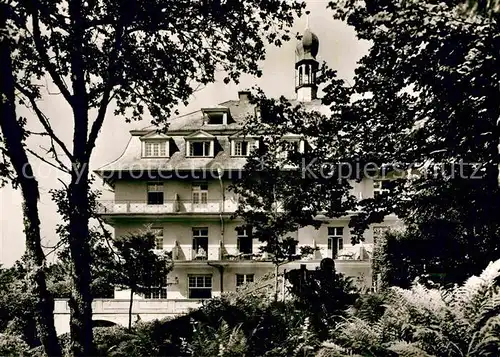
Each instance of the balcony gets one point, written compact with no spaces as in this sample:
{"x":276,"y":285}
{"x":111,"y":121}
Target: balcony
{"x":214,"y":252}
{"x":168,"y":207}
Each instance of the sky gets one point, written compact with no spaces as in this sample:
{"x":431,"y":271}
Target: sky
{"x":338,"y":46}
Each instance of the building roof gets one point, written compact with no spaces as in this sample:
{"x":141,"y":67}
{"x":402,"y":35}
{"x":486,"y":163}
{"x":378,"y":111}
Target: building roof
{"x":308,"y":47}
{"x":180,"y":128}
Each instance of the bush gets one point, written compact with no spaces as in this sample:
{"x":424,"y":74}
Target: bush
{"x":421,"y":321}
{"x":13,"y":346}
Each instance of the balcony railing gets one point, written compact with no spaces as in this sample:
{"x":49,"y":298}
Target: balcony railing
{"x":229,"y":252}
{"x":172,"y":207}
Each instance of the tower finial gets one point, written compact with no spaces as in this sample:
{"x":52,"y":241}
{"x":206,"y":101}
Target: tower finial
{"x":307,"y":18}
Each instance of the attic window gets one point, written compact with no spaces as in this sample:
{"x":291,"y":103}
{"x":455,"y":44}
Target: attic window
{"x":216,"y":118}
{"x":198,"y":148}
{"x":290,"y":147}
{"x":243,"y":147}
{"x":155,"y":148}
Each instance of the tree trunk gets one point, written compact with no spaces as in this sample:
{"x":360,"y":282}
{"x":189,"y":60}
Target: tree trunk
{"x":13,"y":136}
{"x":276,"y":283}
{"x":81,"y":297}
{"x":130,"y":309}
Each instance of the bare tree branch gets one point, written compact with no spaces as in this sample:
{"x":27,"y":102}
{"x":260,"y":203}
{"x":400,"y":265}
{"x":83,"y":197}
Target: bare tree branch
{"x":45,"y":58}
{"x":107,"y":236}
{"x":43,"y":120}
{"x":62,"y":169}
{"x":106,"y":97}
{"x":55,"y":247}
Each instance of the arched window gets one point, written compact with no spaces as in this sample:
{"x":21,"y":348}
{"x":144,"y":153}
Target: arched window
{"x":307,"y":74}
{"x":300,"y":75}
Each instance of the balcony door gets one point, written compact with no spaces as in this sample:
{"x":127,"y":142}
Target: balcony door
{"x":244,"y":241}
{"x":155,"y":193}
{"x":200,"y":243}
{"x":335,"y":241}
{"x":199,"y":196}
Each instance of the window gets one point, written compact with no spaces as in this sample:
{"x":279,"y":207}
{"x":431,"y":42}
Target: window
{"x":258,"y":115}
{"x":158,"y":232}
{"x":200,"y":148}
{"x":293,"y":147}
{"x":380,"y":187}
{"x":200,"y":243}
{"x":244,"y":147}
{"x":244,"y":240}
{"x":156,"y":292}
{"x":335,"y":240}
{"x":200,"y":286}
{"x":300,"y":75}
{"x":155,"y":148}
{"x":200,"y":193}
{"x":241,"y":148}
{"x":379,"y":232}
{"x":242,"y":279}
{"x":215,"y":118}
{"x":155,"y":193}
{"x":290,"y":147}
{"x":306,"y":74}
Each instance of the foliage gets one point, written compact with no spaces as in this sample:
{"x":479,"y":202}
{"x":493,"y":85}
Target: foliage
{"x":17,"y":305}
{"x":420,"y":321}
{"x":425,"y":104}
{"x":139,"y":57}
{"x":138,"y":267}
{"x":248,"y":322}
{"x":285,"y":188}
{"x":103,"y":265}
{"x":221,"y":341}
{"x":482,"y":7}
{"x":399,"y":258}
{"x":13,"y":346}
{"x":323,"y":293}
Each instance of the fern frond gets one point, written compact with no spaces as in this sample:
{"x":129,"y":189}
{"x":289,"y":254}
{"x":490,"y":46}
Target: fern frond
{"x":486,"y":341}
{"x":405,"y":349}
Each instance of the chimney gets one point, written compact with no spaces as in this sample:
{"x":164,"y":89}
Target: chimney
{"x":244,"y":95}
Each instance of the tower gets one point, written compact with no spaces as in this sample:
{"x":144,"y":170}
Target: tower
{"x":306,"y":65}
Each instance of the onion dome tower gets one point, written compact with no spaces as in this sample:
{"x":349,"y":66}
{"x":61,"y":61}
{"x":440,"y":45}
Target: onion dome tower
{"x":306,"y":65}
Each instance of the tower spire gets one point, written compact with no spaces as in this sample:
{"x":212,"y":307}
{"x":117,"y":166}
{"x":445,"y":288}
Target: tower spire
{"x":306,"y":65}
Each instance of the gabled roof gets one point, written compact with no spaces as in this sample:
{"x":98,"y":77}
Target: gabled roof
{"x":190,"y":126}
{"x":240,"y":134}
{"x":200,"y":134}
{"x":154,"y":135}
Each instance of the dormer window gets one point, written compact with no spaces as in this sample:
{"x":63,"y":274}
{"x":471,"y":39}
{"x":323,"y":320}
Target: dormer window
{"x":200,"y":148}
{"x":200,"y":144}
{"x":155,"y":148}
{"x":216,"y":116}
{"x":290,"y":147}
{"x":155,"y":144}
{"x":242,"y":146}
